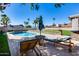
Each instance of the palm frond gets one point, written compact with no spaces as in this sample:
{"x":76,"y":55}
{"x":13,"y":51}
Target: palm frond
{"x":58,"y":5}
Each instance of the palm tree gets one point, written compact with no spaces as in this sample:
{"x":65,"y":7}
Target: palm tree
{"x":54,"y":21}
{"x":33,"y":6}
{"x":26,"y":23}
{"x":3,"y":6}
{"x":36,"y":21}
{"x":58,"y":5}
{"x":28,"y":20}
{"x":5,"y":20}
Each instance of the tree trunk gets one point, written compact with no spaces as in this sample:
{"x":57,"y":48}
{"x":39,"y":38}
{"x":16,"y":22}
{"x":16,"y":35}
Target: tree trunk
{"x":5,"y":26}
{"x":35,"y":26}
{"x":40,"y":32}
{"x":61,"y":32}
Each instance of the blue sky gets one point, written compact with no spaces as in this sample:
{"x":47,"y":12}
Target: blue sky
{"x":19,"y":13}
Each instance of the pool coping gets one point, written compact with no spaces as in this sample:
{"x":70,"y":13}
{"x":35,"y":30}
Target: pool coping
{"x":49,"y":36}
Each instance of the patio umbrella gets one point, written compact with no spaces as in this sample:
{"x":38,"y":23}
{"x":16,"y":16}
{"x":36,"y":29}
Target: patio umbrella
{"x":41,"y":25}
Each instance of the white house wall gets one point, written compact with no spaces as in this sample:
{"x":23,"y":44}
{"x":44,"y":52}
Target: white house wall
{"x":75,"y":24}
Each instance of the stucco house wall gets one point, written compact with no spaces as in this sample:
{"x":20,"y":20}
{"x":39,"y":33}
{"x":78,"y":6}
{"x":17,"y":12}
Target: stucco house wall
{"x":75,"y":24}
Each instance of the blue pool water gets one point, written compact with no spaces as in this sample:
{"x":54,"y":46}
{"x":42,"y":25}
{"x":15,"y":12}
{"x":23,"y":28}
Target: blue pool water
{"x":27,"y":34}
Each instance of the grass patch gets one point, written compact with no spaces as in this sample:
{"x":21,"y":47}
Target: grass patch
{"x":51,"y":31}
{"x":4,"y":48}
{"x":64,"y":32}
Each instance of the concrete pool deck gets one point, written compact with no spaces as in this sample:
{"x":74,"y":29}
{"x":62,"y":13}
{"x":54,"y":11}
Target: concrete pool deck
{"x":48,"y":50}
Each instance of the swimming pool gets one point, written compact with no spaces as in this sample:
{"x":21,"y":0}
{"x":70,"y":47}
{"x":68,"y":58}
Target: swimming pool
{"x":24,"y":34}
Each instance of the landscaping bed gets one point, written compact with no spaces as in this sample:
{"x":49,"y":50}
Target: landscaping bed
{"x":4,"y":47}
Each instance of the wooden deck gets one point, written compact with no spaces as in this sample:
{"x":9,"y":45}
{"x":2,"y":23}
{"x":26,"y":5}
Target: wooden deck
{"x":47,"y":50}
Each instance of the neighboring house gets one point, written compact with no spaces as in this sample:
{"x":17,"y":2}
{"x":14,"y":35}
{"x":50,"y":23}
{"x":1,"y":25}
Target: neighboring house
{"x":67,"y":25}
{"x":10,"y":27}
{"x":75,"y":26}
{"x":2,"y":28}
{"x":15,"y":27}
{"x":75,"y":22}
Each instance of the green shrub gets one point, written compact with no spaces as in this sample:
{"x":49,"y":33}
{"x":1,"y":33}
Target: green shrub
{"x":1,"y":32}
{"x":29,"y":26}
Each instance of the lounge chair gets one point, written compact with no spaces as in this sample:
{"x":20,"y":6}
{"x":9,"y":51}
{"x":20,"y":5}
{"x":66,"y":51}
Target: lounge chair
{"x":63,"y":41}
{"x":28,"y":45}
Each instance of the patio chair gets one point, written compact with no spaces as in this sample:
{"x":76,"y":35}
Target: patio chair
{"x":28,"y":45}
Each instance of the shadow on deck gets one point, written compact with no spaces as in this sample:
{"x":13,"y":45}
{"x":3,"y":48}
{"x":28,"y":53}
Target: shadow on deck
{"x":50,"y":50}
